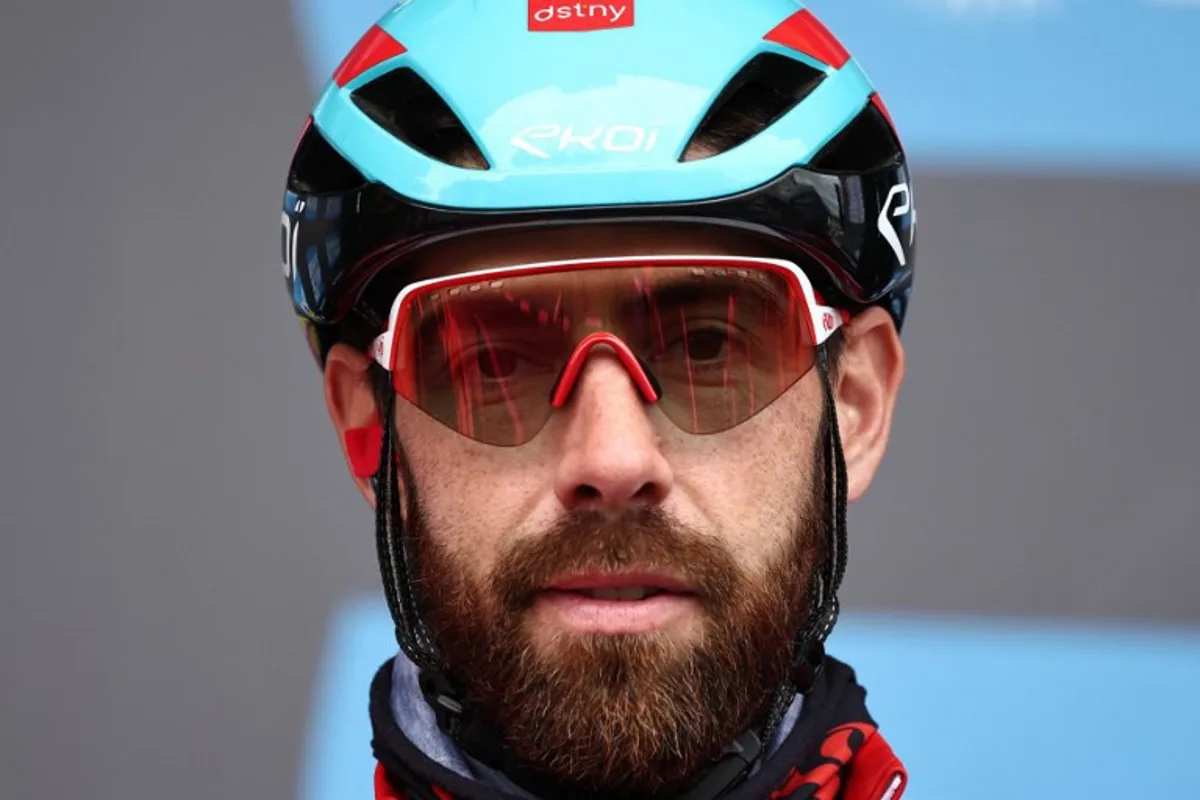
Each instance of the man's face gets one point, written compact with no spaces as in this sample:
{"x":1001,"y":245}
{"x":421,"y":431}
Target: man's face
{"x":534,"y":559}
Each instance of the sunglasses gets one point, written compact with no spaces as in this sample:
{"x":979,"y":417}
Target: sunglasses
{"x":710,"y":340}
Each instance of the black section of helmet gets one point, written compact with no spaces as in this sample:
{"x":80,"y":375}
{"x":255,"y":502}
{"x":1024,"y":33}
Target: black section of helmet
{"x":341,"y":230}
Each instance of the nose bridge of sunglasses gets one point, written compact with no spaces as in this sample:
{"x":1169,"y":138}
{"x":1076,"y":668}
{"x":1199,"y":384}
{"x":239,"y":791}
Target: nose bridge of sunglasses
{"x":642,"y":379}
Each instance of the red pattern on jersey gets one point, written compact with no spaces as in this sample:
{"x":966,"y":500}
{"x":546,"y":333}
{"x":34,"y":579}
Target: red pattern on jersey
{"x":857,"y":764}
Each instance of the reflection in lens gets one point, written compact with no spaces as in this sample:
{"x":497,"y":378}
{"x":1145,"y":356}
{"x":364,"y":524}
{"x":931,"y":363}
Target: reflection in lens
{"x":722,"y":343}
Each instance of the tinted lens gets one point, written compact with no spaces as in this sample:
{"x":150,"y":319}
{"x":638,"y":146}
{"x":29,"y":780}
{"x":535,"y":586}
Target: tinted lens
{"x":483,"y":357}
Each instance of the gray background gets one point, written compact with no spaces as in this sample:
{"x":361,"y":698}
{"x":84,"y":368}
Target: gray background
{"x":178,"y":523}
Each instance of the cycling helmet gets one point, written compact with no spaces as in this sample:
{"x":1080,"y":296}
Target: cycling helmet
{"x":454,"y":117}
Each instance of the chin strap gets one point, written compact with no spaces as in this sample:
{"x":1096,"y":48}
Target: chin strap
{"x":809,"y":648}
{"x":397,"y":562}
{"x":836,"y":499}
{"x":729,"y":770}
{"x":484,"y":742}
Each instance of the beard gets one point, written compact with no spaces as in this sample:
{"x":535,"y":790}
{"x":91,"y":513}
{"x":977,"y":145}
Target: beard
{"x":628,"y":714}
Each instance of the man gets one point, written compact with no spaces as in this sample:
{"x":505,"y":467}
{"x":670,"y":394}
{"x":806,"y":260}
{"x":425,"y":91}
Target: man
{"x":607,"y":301}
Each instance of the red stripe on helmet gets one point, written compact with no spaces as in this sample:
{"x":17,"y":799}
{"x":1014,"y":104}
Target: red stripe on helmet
{"x":375,"y":47}
{"x":805,"y":33}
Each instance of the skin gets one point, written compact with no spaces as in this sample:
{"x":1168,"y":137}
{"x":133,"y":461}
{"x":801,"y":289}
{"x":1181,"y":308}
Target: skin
{"x":608,"y":439}
{"x":610,"y":451}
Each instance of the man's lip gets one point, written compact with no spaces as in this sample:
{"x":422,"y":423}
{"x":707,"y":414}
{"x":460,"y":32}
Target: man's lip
{"x":620,"y":580}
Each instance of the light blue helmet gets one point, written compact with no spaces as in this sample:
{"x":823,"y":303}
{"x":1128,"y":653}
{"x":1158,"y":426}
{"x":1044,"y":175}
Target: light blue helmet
{"x":451,"y":117}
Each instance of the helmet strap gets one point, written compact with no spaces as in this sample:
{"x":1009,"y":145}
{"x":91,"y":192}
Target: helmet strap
{"x":396,"y":551}
{"x":809,"y":651}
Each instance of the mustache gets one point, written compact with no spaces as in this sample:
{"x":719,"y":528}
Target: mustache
{"x":646,"y":538}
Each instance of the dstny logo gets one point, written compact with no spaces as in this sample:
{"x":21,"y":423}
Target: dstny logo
{"x":551,"y":16}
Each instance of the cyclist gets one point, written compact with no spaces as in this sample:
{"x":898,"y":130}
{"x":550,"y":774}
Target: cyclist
{"x":607,"y":301}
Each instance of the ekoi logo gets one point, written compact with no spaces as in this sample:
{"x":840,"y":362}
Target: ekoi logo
{"x":607,"y":138}
{"x":547,"y":15}
{"x":887,"y":229}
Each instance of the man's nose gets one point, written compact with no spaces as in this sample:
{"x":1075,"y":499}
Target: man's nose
{"x":610,"y":454}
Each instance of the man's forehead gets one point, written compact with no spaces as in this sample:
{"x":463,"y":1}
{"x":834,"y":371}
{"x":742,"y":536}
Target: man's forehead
{"x":489,"y":250}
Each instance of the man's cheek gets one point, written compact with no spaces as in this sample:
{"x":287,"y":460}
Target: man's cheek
{"x":475,"y":569}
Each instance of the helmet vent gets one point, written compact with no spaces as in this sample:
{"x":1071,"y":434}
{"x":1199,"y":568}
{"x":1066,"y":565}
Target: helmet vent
{"x":866,"y":144}
{"x":318,"y":169}
{"x":405,"y":105}
{"x":765,"y":89}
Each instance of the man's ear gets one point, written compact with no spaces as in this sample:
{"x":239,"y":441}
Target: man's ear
{"x":350,"y":398}
{"x":870,"y":371}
